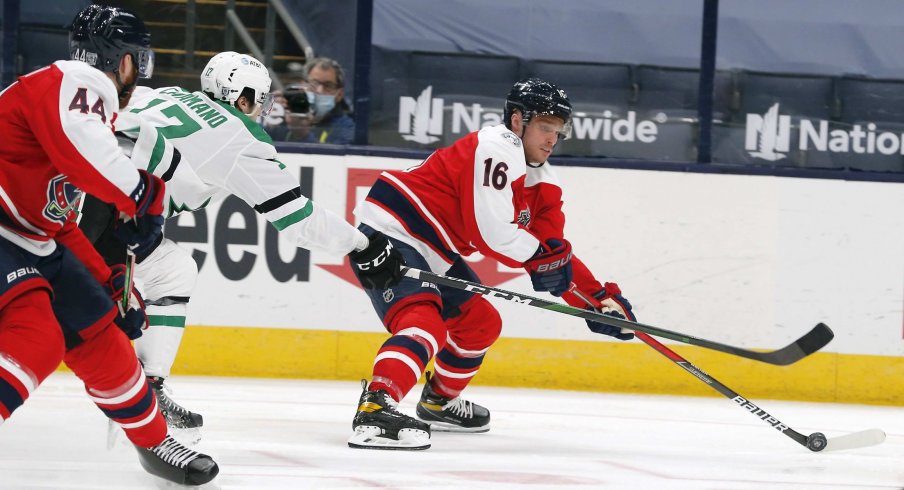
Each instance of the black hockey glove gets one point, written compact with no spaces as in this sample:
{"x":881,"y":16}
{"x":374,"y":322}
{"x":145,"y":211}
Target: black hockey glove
{"x":145,"y":232}
{"x":133,"y":321}
{"x":615,"y":305}
{"x":379,"y":265}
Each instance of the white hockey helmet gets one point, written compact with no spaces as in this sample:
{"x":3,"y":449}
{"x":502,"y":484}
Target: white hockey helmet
{"x":208,"y":75}
{"x":228,"y":73}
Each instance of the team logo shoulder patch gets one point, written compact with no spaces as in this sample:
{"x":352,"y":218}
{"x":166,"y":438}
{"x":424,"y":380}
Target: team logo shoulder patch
{"x":62,"y":199}
{"x":524,"y":217}
{"x":514,"y":139}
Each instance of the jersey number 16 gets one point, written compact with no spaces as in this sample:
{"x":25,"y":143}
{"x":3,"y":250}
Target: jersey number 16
{"x":496,"y":176}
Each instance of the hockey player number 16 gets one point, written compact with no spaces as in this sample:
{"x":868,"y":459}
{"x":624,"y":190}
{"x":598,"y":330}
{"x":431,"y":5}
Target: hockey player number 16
{"x":498,"y":177}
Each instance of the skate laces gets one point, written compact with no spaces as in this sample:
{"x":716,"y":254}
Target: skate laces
{"x":167,"y":404}
{"x":389,"y":402}
{"x":174,"y":453}
{"x":460,"y":407}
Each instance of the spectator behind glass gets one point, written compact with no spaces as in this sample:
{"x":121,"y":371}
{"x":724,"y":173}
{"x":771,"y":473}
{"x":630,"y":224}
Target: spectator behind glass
{"x":323,"y":116}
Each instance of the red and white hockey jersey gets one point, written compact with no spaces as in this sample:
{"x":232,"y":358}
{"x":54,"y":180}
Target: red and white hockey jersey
{"x":477,"y":195}
{"x":57,"y":132}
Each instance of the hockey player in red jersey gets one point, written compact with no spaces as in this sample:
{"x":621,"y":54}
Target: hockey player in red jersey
{"x":491,"y":192}
{"x":60,"y":300}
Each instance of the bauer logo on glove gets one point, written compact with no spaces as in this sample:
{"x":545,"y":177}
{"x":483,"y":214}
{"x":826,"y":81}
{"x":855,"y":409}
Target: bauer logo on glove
{"x":554,"y":265}
{"x":550,"y":267}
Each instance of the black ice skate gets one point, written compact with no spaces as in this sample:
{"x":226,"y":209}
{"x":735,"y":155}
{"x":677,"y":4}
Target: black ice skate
{"x":378,"y":425}
{"x":451,"y":415}
{"x":172,"y":461}
{"x":176,"y":416}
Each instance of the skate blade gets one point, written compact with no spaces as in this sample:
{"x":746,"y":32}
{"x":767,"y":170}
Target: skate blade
{"x":447,"y":427}
{"x":187,"y":436}
{"x":113,"y":431}
{"x":370,"y":437}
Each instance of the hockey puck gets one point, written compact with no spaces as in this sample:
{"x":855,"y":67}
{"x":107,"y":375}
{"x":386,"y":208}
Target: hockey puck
{"x":816,"y":441}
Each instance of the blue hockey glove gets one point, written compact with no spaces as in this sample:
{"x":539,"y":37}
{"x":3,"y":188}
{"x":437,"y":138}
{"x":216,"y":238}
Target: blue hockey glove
{"x":145,"y":232}
{"x":612,"y":303}
{"x":550,"y":267}
{"x":134,"y":320}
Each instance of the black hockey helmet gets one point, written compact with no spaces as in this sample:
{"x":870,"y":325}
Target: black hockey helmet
{"x":101,"y":35}
{"x":533,"y":96}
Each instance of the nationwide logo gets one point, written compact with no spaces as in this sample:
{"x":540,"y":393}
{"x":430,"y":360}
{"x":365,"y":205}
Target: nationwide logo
{"x":769,"y":136}
{"x":421,"y":121}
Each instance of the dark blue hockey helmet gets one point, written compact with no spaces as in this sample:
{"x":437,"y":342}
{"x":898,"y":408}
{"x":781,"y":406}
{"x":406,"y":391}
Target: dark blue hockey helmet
{"x":534,"y":96}
{"x":102,"y":35}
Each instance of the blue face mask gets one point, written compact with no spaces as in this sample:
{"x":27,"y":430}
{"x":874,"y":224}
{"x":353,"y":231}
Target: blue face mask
{"x":322,"y":103}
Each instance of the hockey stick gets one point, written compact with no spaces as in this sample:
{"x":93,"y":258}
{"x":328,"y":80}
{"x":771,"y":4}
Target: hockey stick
{"x":809,"y":343}
{"x":123,"y":305}
{"x":814,"y":442}
{"x":130,"y":280}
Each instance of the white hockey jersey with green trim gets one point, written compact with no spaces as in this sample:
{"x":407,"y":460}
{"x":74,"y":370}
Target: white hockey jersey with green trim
{"x":222,"y":152}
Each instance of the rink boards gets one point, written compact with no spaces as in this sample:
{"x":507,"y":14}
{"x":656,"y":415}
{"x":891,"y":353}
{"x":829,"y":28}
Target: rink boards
{"x":753,"y":261}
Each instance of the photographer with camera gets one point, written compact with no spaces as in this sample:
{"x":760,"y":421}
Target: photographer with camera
{"x":314,"y":110}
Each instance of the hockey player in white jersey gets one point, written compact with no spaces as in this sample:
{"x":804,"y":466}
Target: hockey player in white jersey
{"x":205,"y":145}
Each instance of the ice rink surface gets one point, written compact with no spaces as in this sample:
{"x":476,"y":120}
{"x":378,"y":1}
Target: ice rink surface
{"x":269,"y":434}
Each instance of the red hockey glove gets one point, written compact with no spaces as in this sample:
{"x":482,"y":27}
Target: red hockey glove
{"x":612,"y":303}
{"x":133,"y":321}
{"x":550,"y":267}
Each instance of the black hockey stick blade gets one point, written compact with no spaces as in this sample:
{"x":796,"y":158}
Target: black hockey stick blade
{"x":811,"y":342}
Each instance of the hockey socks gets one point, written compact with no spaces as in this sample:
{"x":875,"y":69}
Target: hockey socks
{"x":115,"y":382}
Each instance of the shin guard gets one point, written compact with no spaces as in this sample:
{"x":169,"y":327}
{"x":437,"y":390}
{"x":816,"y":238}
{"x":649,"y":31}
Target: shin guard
{"x":416,"y":332}
{"x":470,"y":336}
{"x":158,"y":346}
{"x":115,"y":382}
{"x":31,"y":348}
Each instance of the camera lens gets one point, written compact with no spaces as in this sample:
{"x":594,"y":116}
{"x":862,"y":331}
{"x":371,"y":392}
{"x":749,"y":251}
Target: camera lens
{"x":297,"y":101}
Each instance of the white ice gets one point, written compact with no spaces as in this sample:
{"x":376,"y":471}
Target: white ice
{"x":268,"y":434}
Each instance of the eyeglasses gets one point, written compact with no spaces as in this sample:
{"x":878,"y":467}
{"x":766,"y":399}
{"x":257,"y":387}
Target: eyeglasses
{"x":325,"y":86}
